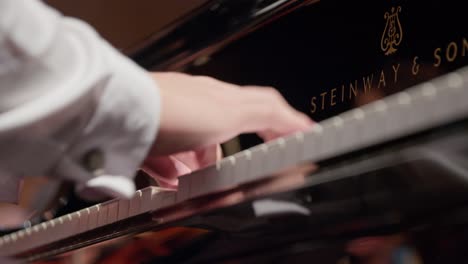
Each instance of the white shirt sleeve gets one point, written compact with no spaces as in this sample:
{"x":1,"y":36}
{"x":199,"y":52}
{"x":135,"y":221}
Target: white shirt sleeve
{"x":71,"y":106}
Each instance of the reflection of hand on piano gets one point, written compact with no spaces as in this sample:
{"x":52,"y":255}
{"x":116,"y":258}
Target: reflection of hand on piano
{"x":199,"y":113}
{"x":392,"y":249}
{"x":281,"y":181}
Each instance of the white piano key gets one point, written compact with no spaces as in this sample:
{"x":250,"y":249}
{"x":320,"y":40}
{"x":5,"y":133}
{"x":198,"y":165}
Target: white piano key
{"x":183,"y":190}
{"x":54,"y":231}
{"x":46,"y":230}
{"x":93,"y":216}
{"x":146,"y":202}
{"x":84,"y":220}
{"x":245,"y":160}
{"x":42,"y":229}
{"x":102,"y":216}
{"x":61,"y":228}
{"x":209,"y":182}
{"x":330,"y":138}
{"x":124,"y":209}
{"x":347,"y":130}
{"x":291,"y":151}
{"x":112,"y":211}
{"x":156,"y":200}
{"x":352,"y":132}
{"x":50,"y":234}
{"x":455,"y":84}
{"x":429,"y":95}
{"x":154,"y":192}
{"x":418,"y":116}
{"x":13,"y":238}
{"x":225,"y":172}
{"x":447,"y":99}
{"x":423,"y":115}
{"x":358,"y":119}
{"x":257,"y":163}
{"x":313,"y":144}
{"x":376,"y":125}
{"x":461,"y":107}
{"x":135,"y":204}
{"x":29,"y":240}
{"x":389,"y":115}
{"x":73,"y":224}
{"x":240,"y":172}
{"x":202,"y":182}
{"x":455,"y":81}
{"x":9,"y":245}
{"x":34,"y":239}
{"x":299,"y":143}
{"x":21,"y":234}
{"x":275,"y":158}
{"x":168,"y":198}
{"x":405,"y":114}
{"x":377,"y":122}
{"x":7,"y":248}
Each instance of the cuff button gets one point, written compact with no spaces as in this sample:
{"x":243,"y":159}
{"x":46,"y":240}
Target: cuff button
{"x":94,"y":161}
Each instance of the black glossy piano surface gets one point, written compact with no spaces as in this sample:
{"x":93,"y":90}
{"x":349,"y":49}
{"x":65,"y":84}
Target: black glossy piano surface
{"x":401,"y":202}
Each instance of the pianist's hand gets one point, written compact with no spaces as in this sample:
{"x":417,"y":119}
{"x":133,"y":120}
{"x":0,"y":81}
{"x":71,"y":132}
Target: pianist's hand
{"x":198,"y":113}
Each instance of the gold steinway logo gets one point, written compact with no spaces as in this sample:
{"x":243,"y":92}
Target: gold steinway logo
{"x":393,"y":33}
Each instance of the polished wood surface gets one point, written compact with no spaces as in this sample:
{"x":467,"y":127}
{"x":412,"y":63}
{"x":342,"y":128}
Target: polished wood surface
{"x":124,"y":23}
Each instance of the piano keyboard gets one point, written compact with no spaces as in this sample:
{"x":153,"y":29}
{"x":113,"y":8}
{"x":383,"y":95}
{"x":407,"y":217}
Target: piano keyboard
{"x":430,"y":104}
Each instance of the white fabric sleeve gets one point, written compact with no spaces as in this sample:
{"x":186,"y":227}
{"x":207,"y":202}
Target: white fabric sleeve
{"x":71,"y":106}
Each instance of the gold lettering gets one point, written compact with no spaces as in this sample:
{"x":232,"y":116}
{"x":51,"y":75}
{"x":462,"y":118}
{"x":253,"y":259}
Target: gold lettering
{"x":382,"y":79}
{"x":342,"y":93}
{"x":353,"y":89}
{"x":415,"y":68}
{"x":367,"y":81}
{"x":314,"y":105}
{"x":395,"y":71}
{"x":437,"y":57}
{"x":465,"y":47}
{"x":451,"y":52}
{"x":323,"y":99}
{"x":332,"y":97}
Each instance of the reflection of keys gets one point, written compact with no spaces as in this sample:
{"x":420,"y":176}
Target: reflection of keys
{"x":366,"y":126}
{"x":145,"y":200}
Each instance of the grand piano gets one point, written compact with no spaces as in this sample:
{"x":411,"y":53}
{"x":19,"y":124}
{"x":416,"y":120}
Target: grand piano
{"x":382,"y":178}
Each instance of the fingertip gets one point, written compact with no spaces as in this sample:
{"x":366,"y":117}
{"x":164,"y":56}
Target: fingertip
{"x":308,"y":123}
{"x":303,"y":122}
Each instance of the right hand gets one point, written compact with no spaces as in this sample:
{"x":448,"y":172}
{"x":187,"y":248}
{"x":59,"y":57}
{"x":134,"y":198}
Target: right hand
{"x":198,"y":113}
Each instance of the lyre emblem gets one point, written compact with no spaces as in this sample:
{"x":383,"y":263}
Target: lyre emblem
{"x":393,"y":33}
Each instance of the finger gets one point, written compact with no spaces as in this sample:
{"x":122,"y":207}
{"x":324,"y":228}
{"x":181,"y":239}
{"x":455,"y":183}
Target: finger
{"x":267,"y":113}
{"x":209,"y":155}
{"x":162,"y":181}
{"x":12,"y":216}
{"x":197,"y":159}
{"x":167,"y":167}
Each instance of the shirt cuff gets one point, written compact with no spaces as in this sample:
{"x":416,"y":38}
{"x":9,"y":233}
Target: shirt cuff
{"x":120,"y":133}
